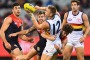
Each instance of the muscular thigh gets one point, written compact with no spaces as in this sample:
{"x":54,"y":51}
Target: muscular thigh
{"x":32,"y":53}
{"x":16,"y":52}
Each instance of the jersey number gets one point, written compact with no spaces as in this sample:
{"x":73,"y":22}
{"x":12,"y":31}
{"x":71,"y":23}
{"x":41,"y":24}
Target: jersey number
{"x":57,"y":24}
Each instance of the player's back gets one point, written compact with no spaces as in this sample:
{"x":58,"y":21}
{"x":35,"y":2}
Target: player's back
{"x":54,"y":29}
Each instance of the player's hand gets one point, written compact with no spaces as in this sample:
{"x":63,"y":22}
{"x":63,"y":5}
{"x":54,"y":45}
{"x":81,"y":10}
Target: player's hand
{"x":82,"y":39}
{"x":21,"y":57}
{"x":37,"y":7}
{"x":31,"y":40}
{"x":53,"y":37}
{"x":28,"y":11}
{"x":58,"y":49}
{"x":7,"y":45}
{"x":13,"y":35}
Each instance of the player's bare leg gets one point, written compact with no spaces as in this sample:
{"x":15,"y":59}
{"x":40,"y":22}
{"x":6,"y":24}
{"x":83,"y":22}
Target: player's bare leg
{"x":54,"y":56}
{"x":38,"y":57}
{"x":67,"y":52}
{"x":43,"y":57}
{"x":31,"y":53}
{"x":16,"y":52}
{"x":80,"y":53}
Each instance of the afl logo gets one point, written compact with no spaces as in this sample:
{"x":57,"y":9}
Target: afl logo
{"x":69,"y":19}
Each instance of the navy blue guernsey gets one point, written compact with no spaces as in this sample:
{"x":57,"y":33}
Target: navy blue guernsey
{"x":40,"y":37}
{"x":14,"y":27}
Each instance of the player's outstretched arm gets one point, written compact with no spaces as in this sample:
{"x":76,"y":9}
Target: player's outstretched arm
{"x":25,"y":38}
{"x":42,"y":26}
{"x":40,"y":8}
{"x":23,"y":32}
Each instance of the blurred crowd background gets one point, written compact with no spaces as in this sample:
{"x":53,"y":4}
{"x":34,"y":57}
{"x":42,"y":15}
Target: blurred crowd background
{"x":61,"y":5}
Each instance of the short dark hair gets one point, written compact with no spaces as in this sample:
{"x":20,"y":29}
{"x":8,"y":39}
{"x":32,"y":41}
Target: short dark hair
{"x":15,"y":4}
{"x":77,"y":1}
{"x":40,"y":12}
{"x":52,"y":9}
{"x":67,"y":28}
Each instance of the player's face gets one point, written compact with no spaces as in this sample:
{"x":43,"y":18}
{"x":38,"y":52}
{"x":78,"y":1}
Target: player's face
{"x":41,"y":18}
{"x":16,"y":10}
{"x":74,"y":6}
{"x":47,"y":12}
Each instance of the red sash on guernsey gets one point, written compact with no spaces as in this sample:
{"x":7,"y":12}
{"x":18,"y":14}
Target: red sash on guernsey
{"x":17,"y":21}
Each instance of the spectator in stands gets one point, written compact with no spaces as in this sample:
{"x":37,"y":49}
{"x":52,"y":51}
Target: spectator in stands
{"x":85,"y":4}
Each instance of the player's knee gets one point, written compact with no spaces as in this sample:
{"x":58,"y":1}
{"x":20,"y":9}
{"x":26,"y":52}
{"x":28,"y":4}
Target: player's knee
{"x":66,"y":57}
{"x":80,"y":57}
{"x":16,"y":52}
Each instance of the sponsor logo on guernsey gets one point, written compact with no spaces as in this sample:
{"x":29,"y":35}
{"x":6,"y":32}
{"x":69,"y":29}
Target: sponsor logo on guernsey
{"x":69,"y":19}
{"x":38,"y":48}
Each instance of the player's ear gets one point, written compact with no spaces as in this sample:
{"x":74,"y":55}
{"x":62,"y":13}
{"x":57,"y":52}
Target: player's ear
{"x":51,"y":14}
{"x":78,"y":6}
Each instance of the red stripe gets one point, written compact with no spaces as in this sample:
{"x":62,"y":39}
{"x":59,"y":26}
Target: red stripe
{"x":19,"y":22}
{"x":77,"y":24}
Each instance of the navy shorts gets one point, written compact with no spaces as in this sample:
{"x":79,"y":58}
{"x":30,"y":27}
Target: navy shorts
{"x":14,"y":45}
{"x":39,"y":47}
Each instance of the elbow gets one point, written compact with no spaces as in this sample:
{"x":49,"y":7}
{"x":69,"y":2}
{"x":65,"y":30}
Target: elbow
{"x":26,"y":32}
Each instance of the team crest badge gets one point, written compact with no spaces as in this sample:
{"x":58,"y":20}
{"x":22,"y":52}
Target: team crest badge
{"x":38,"y":48}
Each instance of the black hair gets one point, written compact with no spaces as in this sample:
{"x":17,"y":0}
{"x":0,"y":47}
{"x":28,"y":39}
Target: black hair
{"x":77,"y":1}
{"x":52,"y":9}
{"x":15,"y":4}
{"x":67,"y":28}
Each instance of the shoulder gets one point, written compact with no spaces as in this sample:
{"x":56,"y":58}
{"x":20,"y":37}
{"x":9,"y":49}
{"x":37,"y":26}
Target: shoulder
{"x":84,"y":15}
{"x":8,"y":19}
{"x":66,"y":14}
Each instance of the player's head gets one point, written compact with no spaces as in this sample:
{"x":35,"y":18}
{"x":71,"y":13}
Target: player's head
{"x":16,"y":9}
{"x":50,"y":11}
{"x":75,"y":4}
{"x":67,"y":28}
{"x":41,"y":16}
